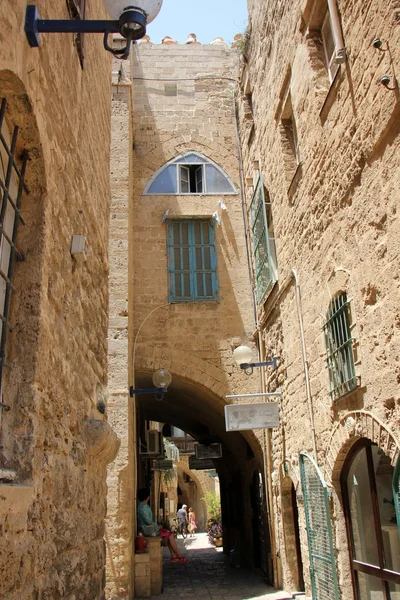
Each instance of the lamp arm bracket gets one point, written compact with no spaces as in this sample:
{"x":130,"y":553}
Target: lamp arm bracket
{"x":133,"y":392}
{"x":269,"y":363}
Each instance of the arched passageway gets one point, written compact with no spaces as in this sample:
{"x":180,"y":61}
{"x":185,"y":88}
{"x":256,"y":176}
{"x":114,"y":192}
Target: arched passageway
{"x":197,"y":411}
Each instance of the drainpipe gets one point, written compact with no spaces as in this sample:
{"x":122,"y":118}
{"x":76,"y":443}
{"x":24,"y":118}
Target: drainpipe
{"x":340,"y":51}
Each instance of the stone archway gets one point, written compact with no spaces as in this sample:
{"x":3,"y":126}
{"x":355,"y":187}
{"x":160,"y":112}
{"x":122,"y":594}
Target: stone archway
{"x":351,"y":427}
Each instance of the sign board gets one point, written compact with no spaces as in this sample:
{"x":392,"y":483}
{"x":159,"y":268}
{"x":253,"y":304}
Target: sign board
{"x":242,"y":417}
{"x":200,"y":464}
{"x":162,"y":465}
{"x":211,"y":451}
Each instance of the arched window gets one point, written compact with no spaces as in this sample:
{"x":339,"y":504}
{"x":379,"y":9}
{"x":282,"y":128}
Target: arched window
{"x":368,"y":480}
{"x":190,"y":173}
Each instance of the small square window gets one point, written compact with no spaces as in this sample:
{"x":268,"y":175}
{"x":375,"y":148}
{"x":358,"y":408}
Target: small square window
{"x":192,"y":261}
{"x":171,"y":89}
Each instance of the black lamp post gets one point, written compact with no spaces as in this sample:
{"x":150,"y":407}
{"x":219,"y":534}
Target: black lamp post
{"x":129,"y":20}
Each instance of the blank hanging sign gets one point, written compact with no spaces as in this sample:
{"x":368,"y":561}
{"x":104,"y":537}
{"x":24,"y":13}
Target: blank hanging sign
{"x":242,"y":417}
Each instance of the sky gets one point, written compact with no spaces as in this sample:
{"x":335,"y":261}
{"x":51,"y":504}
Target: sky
{"x":208,"y":19}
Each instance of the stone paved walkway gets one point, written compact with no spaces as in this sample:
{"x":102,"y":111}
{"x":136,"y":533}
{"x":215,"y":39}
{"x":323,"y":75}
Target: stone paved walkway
{"x":209,"y":576}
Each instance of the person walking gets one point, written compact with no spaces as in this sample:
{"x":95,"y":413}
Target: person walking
{"x":182,"y":520}
{"x":192,"y":526}
{"x":149,"y":528}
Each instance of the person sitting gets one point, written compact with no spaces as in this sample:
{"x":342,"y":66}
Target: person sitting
{"x":148,"y":527}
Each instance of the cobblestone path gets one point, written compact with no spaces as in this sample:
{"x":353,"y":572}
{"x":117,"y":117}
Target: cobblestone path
{"x":210,"y":576}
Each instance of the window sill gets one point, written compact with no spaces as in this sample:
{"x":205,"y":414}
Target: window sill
{"x":298,"y":174}
{"x":346,"y":395}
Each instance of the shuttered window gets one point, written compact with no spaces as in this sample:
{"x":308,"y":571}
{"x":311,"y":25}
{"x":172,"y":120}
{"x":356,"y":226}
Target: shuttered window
{"x":192,"y":260}
{"x":265,"y":265}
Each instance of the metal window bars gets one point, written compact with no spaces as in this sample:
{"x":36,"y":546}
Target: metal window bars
{"x":12,"y":185}
{"x":339,"y":347}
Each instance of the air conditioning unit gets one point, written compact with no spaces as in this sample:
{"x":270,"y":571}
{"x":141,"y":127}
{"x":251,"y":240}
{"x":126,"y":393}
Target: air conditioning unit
{"x":154,"y":445}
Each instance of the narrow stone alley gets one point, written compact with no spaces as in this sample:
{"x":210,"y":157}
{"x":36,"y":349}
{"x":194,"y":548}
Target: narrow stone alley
{"x":211,"y":577}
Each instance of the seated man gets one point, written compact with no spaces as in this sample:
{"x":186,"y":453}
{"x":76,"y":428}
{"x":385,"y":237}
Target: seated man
{"x":148,"y":527}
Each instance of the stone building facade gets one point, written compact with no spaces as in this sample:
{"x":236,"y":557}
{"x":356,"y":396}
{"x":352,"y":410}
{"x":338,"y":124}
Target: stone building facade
{"x":319,"y":122}
{"x":55,"y":441}
{"x":176,"y":192}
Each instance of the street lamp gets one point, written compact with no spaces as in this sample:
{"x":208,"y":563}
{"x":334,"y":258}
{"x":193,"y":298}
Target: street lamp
{"x":161,"y":379}
{"x":128,"y":20}
{"x":242,"y":356}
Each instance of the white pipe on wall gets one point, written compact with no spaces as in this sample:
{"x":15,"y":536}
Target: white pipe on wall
{"x":340,"y":51}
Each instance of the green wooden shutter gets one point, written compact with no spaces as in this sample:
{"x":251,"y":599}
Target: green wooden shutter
{"x":264,"y":274}
{"x":396,"y":493}
{"x":319,"y":531}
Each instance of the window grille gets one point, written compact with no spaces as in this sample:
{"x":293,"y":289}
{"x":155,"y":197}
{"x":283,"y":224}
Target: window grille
{"x":396,"y":493}
{"x":192,"y":261}
{"x":319,"y":531}
{"x":11,"y":187}
{"x":263,"y":242}
{"x":339,"y":347}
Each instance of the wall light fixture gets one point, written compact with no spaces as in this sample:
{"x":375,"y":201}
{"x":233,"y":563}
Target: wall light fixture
{"x":242,"y":356}
{"x":161,"y":379}
{"x":128,"y":20}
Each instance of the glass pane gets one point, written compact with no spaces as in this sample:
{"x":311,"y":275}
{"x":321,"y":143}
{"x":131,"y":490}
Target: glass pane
{"x":199,"y":180}
{"x":217,"y":183}
{"x":370,"y":588}
{"x":165,"y":182}
{"x":383,"y":475}
{"x":184,"y":233}
{"x":184,"y":180}
{"x":197,"y":232}
{"x":178,"y":285}
{"x":191,"y":159}
{"x":207,"y":258}
{"x":9,"y":219}
{"x":394,"y":591}
{"x":204,"y":285}
{"x":362,"y":519}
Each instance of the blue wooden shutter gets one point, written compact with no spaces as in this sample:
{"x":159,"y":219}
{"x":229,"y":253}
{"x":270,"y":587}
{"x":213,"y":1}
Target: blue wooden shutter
{"x":192,"y":260}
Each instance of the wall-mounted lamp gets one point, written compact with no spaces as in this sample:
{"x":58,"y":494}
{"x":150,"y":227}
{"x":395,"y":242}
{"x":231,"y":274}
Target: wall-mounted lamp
{"x":377,"y":43}
{"x":242,"y":356}
{"x":385,"y":81}
{"x":161,"y":379}
{"x":129,"y":21}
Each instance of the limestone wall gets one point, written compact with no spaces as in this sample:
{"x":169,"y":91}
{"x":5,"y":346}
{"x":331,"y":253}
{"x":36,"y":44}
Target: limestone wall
{"x":55,"y":442}
{"x":335,"y":216}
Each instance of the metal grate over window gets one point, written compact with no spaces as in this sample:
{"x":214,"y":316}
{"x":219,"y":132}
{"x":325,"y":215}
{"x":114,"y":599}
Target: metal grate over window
{"x":319,"y":531}
{"x":11,"y":187}
{"x":339,"y":347}
{"x":192,"y":261}
{"x":263,"y":242}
